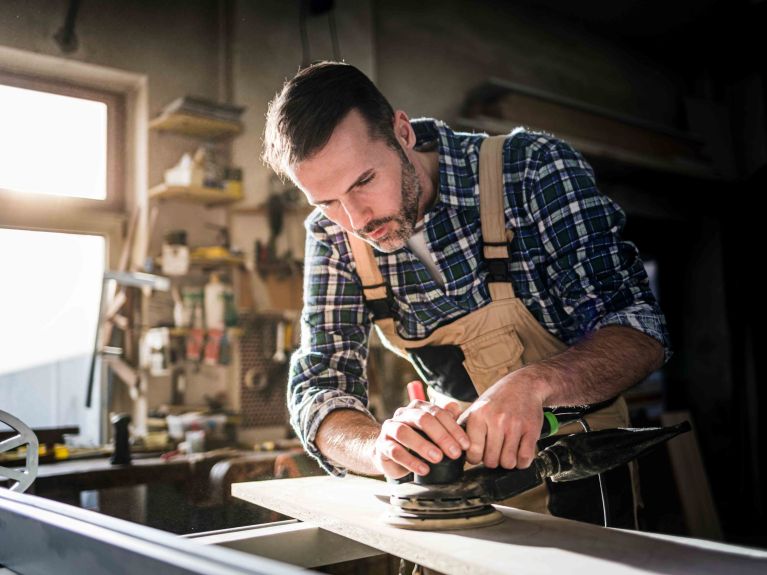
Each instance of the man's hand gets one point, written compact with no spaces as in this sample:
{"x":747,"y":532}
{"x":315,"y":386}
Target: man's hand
{"x":398,"y":435}
{"x":504,"y":423}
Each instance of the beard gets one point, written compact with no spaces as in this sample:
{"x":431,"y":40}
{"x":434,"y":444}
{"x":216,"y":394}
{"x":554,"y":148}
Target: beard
{"x":404,"y":222}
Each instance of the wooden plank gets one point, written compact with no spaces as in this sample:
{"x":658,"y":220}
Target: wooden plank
{"x":200,"y":195}
{"x":525,"y":543}
{"x":594,"y":148}
{"x":195,"y":126}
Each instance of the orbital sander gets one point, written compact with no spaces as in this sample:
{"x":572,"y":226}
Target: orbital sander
{"x":449,"y":497}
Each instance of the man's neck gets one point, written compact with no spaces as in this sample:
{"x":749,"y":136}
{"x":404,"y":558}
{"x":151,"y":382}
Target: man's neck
{"x":428,"y":175}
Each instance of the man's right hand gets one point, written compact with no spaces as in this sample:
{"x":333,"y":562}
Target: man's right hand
{"x":390,"y":453}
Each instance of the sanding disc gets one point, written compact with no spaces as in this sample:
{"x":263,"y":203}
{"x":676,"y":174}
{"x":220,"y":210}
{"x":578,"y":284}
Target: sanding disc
{"x":492,"y":517}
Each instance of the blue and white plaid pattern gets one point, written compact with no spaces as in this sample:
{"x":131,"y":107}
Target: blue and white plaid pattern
{"x":568,"y":265}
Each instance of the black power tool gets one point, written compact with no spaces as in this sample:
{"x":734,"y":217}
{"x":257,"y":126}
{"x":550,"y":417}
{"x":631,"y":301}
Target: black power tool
{"x":456,"y":499}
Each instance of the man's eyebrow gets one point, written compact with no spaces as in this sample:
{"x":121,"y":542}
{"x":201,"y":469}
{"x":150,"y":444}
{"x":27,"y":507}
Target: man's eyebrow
{"x":366,"y":174}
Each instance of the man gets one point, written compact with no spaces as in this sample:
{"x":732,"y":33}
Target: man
{"x":524,"y":300}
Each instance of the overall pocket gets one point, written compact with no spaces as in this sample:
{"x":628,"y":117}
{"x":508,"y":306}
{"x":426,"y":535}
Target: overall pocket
{"x":491,"y":356}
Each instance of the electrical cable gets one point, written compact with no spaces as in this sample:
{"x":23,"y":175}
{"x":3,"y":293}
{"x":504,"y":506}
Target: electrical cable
{"x":306,"y":58}
{"x":334,"y":34}
{"x":605,"y":506}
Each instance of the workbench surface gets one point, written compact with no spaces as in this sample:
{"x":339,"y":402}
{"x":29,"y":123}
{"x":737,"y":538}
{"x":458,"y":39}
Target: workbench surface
{"x":524,"y":543}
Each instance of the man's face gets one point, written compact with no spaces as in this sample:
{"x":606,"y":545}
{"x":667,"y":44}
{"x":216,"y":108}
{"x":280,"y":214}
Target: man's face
{"x":363,"y":185}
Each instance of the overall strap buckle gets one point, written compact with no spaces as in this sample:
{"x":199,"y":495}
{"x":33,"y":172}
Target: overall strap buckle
{"x":497,"y":267}
{"x":381,"y":307}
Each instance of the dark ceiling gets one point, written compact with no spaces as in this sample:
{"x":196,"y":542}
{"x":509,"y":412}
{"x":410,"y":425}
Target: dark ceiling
{"x":723,"y":39}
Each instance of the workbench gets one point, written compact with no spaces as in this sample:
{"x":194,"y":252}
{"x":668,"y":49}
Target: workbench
{"x":524,"y":543}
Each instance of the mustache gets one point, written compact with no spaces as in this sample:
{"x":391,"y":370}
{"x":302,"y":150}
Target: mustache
{"x":374,"y":225}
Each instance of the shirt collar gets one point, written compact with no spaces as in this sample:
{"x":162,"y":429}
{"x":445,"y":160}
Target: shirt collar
{"x":458,"y":161}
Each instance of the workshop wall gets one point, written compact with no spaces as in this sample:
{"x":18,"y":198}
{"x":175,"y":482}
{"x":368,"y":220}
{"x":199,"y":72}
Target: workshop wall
{"x":173,"y":44}
{"x":425,"y":56}
{"x":430,"y":53}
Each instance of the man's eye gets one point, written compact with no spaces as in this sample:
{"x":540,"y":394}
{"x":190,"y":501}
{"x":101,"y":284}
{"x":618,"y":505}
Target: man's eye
{"x":366,"y":180}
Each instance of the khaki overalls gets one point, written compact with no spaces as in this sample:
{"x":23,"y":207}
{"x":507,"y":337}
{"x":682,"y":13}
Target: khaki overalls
{"x":487,"y":344}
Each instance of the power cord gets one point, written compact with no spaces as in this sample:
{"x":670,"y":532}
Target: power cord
{"x":605,"y":506}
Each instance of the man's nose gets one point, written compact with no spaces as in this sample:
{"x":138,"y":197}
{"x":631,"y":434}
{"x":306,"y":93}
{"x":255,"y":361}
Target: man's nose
{"x":358,"y":213}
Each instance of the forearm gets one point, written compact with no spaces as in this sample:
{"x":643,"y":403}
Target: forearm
{"x":600,"y":366}
{"x":347,"y":437}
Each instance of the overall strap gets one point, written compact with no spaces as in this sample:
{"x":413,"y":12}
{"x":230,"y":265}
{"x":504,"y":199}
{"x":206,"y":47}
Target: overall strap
{"x":495,"y":237}
{"x":374,"y":288}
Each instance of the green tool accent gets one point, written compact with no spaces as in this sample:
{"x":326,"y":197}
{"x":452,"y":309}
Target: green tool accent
{"x":553,"y":423}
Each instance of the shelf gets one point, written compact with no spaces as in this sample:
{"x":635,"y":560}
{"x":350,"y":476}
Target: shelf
{"x":195,"y":126}
{"x":231,"y":332}
{"x":201,"y":195}
{"x":224,"y":261}
{"x":236,"y":261}
{"x":499,"y":107}
{"x":597,"y":149}
{"x":262,"y":210}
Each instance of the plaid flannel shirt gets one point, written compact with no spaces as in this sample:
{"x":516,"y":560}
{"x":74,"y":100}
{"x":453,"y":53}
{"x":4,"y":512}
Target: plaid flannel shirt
{"x":568,"y":265}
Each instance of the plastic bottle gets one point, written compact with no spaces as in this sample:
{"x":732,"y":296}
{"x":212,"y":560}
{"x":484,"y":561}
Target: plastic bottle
{"x":215,"y":305}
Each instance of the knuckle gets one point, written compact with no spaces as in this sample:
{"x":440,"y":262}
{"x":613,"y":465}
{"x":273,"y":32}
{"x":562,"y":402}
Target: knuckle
{"x":474,"y":454}
{"x":502,"y":419}
{"x":435,"y":411}
{"x":397,"y":452}
{"x":388,"y":428}
{"x":507,"y":461}
{"x":399,"y":433}
{"x":422,"y":418}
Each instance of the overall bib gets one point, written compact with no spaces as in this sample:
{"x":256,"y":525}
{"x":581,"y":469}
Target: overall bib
{"x":461,"y":360}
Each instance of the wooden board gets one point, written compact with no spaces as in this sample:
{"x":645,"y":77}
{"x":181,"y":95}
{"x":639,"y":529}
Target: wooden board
{"x":691,"y":480}
{"x":195,"y":126}
{"x":200,"y":195}
{"x":525,"y":543}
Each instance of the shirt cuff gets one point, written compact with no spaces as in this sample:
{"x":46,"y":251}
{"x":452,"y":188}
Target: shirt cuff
{"x":644,"y":319}
{"x":315,"y":417}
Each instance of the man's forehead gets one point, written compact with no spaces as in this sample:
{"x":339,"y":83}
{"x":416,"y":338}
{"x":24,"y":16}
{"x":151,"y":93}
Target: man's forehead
{"x":346,"y":156}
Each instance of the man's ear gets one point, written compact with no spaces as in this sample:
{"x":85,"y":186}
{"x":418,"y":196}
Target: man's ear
{"x":403,"y":131}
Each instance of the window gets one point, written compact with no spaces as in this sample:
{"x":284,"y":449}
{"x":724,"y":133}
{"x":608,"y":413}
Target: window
{"x":61,"y":213}
{"x":49,"y":301}
{"x":61,"y":140}
{"x":68,"y":134}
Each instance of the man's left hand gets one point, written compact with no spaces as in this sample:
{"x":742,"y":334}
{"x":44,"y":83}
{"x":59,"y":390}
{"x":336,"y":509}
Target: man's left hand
{"x":504,"y":423}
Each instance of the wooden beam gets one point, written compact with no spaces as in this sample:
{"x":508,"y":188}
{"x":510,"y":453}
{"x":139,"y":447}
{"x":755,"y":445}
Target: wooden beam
{"x":524,"y":543}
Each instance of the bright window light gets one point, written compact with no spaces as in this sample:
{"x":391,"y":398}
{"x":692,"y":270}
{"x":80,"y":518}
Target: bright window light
{"x":52,"y":144}
{"x":49,"y":297}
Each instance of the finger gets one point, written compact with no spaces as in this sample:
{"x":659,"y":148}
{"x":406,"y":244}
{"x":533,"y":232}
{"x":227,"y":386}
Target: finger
{"x":391,"y":468}
{"x":509,"y":452}
{"x":437,"y":424}
{"x":455,"y":441}
{"x":401,"y":456}
{"x":494,"y":441}
{"x":453,"y":408}
{"x":405,"y":435}
{"x":476,"y":430}
{"x":457,"y":431}
{"x":418,"y":404}
{"x":528,"y":447}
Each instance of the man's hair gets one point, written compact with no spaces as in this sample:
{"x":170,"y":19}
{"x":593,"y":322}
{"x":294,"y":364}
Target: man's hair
{"x":303,"y":115}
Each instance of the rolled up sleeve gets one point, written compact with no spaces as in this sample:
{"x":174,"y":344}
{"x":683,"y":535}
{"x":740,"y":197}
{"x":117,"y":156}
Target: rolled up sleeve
{"x":327,"y":372}
{"x":599,"y":278}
